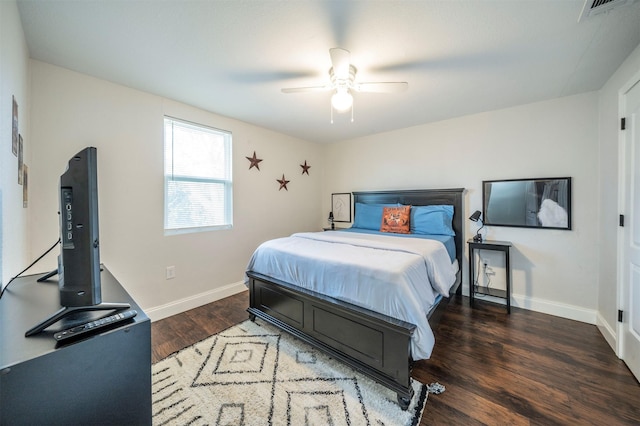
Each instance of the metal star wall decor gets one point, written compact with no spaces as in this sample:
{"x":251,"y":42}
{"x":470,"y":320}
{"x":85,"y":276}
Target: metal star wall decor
{"x":283,"y":183}
{"x":254,"y":161}
{"x":305,"y":167}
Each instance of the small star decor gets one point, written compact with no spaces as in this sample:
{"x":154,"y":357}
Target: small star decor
{"x":283,"y":183}
{"x":254,"y":161}
{"x":305,"y":167}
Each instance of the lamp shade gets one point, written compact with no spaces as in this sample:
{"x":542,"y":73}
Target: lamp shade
{"x":475,"y":216}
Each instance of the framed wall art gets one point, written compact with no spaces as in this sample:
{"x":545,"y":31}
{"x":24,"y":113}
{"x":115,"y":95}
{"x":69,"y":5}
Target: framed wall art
{"x":25,"y":187}
{"x":14,"y":126}
{"x":20,"y":159}
{"x":341,"y":207}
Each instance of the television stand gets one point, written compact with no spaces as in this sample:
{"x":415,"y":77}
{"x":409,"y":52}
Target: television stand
{"x":72,"y":310}
{"x":101,"y":378}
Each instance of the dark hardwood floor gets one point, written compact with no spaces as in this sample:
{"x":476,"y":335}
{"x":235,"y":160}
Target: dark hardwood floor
{"x":526,"y":368}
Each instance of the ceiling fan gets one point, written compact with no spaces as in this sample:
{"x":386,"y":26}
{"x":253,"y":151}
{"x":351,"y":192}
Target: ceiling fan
{"x":342,"y":80}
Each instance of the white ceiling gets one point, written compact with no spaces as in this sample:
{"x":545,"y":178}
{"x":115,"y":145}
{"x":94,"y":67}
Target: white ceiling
{"x":233,"y":57}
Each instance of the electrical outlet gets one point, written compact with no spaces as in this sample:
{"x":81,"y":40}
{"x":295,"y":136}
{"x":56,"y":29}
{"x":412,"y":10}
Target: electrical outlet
{"x":171,"y":272}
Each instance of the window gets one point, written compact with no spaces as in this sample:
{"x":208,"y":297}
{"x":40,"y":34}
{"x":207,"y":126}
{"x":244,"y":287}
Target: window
{"x":197,"y":178}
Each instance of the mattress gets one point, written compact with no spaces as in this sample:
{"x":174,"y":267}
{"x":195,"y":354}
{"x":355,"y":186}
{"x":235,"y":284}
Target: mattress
{"x":396,"y":276}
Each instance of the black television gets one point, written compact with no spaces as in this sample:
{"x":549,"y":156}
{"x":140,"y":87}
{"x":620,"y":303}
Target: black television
{"x":79,"y":259}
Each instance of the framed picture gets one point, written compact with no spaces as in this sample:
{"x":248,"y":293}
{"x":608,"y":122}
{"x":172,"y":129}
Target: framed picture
{"x":25,"y":186}
{"x":341,"y":207}
{"x":20,"y":159}
{"x":14,"y":125}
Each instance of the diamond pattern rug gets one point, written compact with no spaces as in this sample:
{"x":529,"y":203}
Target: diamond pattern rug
{"x":254,"y":374}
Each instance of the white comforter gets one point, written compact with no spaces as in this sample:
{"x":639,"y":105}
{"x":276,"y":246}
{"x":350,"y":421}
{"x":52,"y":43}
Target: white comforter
{"x":399,"y":277}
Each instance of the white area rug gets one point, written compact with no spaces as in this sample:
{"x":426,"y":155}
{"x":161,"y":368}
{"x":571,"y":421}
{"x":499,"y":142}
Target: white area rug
{"x":255,"y":374}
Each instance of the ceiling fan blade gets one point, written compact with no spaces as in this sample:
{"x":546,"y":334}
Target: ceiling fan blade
{"x":382,"y":87}
{"x":306,"y":89}
{"x":340,"y":60}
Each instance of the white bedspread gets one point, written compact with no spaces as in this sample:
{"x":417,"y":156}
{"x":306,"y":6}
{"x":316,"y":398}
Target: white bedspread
{"x":399,"y":277}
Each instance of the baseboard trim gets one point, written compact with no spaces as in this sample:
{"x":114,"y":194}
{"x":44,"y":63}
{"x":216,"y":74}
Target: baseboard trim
{"x":163,"y":311}
{"x":558,"y":309}
{"x":608,"y":332}
{"x":547,"y":307}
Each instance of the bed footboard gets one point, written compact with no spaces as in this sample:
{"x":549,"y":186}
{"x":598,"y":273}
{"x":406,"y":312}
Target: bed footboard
{"x":372,"y":343}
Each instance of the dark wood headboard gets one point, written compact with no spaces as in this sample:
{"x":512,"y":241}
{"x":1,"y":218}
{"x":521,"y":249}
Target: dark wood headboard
{"x":424,"y":197}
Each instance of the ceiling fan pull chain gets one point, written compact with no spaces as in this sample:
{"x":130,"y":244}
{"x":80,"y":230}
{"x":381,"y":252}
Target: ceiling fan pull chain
{"x":352,"y":107}
{"x":331,"y":107}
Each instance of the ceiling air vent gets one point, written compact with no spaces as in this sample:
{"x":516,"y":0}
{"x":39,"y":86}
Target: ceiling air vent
{"x":596,"y":7}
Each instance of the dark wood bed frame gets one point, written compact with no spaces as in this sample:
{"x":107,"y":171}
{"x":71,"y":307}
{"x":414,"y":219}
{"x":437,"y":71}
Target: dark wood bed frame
{"x":374,"y":344}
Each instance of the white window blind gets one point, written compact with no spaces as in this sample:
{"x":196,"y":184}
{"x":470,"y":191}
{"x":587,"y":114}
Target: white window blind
{"x":197,"y":176}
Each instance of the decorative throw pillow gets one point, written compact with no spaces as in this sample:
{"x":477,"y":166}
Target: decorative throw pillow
{"x":396,"y":220}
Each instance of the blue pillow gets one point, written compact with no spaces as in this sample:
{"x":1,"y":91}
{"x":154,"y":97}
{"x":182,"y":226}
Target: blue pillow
{"x":369,"y":216}
{"x":432,"y":220}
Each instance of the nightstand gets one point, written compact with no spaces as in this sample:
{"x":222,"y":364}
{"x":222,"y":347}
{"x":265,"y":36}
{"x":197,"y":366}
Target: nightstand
{"x":503,"y":246}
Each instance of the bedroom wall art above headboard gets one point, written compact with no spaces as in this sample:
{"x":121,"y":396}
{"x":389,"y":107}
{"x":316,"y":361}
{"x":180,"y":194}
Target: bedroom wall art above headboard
{"x":527,"y":203}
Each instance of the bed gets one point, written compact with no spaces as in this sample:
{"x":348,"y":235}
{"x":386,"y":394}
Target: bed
{"x":376,"y":341}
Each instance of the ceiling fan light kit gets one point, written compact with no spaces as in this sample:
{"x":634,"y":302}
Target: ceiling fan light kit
{"x":342,"y":76}
{"x":342,"y":100}
{"x":350,"y":107}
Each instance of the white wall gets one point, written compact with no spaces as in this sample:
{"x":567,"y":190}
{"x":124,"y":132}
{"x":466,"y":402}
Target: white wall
{"x":71,"y":111}
{"x":608,"y":230}
{"x":553,"y":271}
{"x":14,"y":81}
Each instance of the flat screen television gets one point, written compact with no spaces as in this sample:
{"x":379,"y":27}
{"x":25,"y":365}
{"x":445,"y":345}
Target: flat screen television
{"x":527,"y":203}
{"x":79,"y":259}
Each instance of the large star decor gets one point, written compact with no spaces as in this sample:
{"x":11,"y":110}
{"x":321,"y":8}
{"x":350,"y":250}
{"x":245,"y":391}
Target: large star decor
{"x":305,"y":167}
{"x":283,"y":183}
{"x":254,"y":161}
